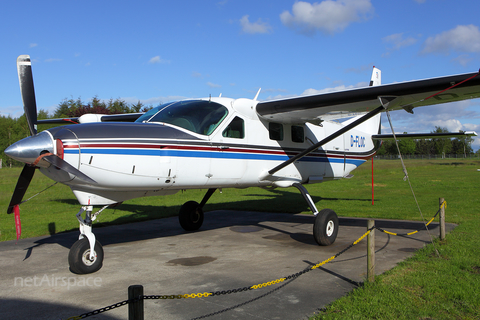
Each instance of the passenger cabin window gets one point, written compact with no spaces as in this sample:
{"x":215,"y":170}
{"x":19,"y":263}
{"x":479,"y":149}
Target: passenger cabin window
{"x":275,"y":131}
{"x":298,"y":134}
{"x":198,"y":116}
{"x":236,"y":129}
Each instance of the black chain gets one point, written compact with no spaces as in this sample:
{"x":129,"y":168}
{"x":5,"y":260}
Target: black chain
{"x":215,"y":293}
{"x":172,"y":296}
{"x":104,"y":309}
{"x":243,"y":303}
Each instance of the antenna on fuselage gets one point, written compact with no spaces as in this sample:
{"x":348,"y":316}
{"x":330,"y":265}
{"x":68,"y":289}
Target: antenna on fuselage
{"x":258,"y":92}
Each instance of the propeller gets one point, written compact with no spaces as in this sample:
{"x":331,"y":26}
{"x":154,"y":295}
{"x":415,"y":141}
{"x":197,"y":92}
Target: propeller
{"x":25,"y":77}
{"x":21,"y":187}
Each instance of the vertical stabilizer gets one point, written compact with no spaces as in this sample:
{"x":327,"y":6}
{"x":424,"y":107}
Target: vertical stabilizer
{"x":376,"y":79}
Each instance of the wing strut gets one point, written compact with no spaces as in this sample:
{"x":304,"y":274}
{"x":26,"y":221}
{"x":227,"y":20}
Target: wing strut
{"x":327,"y":139}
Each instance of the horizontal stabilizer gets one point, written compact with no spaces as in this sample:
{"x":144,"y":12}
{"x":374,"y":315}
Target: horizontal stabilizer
{"x":90,"y":117}
{"x":424,"y":135}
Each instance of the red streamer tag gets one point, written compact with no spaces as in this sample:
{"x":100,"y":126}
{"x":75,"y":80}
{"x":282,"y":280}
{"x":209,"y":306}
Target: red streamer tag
{"x":18,"y":223}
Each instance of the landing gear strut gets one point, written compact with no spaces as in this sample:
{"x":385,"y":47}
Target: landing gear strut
{"x":86,"y":255}
{"x":325,"y":227}
{"x":191,"y":213}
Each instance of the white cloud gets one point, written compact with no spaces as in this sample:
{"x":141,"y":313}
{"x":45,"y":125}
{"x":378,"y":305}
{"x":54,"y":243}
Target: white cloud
{"x":459,"y":39}
{"x":33,"y":45}
{"x":254,"y":27}
{"x":398,"y":41}
{"x":329,"y":16}
{"x":463,"y":59}
{"x":158,"y":59}
{"x":213,"y":85}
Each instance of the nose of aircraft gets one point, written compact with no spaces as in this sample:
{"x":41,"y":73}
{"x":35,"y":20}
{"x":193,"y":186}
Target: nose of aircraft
{"x":27,"y":150}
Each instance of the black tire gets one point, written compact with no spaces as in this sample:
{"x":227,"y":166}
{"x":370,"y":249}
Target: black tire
{"x":78,"y":257}
{"x":325,"y":227}
{"x":190,"y":216}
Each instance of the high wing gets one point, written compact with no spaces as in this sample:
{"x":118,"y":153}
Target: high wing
{"x":403,"y":95}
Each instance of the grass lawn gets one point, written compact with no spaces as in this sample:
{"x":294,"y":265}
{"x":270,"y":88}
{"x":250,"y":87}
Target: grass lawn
{"x":423,"y":287}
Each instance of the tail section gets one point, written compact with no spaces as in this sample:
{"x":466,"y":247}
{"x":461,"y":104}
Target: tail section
{"x":376,"y":79}
{"x":371,"y":126}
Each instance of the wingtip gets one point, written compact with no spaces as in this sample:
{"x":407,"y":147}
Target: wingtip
{"x":24,"y":59}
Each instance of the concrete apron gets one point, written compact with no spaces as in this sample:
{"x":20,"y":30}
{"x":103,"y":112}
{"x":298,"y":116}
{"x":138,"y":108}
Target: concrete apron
{"x":232,"y":250}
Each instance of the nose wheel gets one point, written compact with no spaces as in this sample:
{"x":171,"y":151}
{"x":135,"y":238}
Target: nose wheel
{"x":86,"y":255}
{"x":80,"y":260}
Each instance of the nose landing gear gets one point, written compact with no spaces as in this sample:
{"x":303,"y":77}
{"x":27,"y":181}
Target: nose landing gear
{"x":86,"y":255}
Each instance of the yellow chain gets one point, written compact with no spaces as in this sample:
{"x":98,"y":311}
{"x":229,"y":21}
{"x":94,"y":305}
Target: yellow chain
{"x":197,"y":295}
{"x":444,"y":203}
{"x":266,"y":284}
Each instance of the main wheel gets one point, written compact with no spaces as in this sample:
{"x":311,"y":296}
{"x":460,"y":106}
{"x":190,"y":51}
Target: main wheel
{"x":191,"y":216}
{"x":79,"y":257}
{"x":325,"y":227}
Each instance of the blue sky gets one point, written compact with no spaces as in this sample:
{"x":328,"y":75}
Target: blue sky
{"x":157,"y":51}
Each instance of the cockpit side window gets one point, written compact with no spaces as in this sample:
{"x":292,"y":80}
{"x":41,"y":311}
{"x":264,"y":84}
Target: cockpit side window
{"x":236,"y":129}
{"x":198,"y":116}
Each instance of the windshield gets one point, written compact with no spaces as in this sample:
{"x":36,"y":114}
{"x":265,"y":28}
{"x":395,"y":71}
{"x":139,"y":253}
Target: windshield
{"x":198,"y":116}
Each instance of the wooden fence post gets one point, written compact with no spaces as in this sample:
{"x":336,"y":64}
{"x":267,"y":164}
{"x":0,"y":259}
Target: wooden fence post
{"x":442,"y":219}
{"x":371,"y":251}
{"x":135,"y":308}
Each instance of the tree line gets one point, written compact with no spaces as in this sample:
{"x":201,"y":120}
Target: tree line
{"x":14,"y":129}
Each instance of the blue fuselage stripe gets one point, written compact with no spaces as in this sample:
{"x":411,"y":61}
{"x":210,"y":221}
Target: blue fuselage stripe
{"x":209,"y":154}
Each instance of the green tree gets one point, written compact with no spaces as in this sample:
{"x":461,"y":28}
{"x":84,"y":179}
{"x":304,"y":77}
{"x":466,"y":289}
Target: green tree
{"x":442,"y":145}
{"x":407,"y":146}
{"x":462,"y":145}
{"x":68,"y":108}
{"x":11,"y":130}
{"x":424,"y":146}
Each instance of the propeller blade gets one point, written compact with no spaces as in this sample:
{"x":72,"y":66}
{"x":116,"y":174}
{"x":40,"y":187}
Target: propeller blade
{"x":21,"y":187}
{"x":25,"y":77}
{"x":65,"y":166}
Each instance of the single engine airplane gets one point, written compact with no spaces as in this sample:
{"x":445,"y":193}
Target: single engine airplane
{"x":215,"y":143}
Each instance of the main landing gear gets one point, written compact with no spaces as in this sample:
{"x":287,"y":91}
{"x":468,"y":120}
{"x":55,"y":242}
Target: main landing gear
{"x":86,"y":255}
{"x":191,"y":213}
{"x":325,"y":227}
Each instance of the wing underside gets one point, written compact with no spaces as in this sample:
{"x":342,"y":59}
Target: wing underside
{"x":405,"y":95}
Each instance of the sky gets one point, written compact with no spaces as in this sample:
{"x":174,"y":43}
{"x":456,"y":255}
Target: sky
{"x":159,"y":51}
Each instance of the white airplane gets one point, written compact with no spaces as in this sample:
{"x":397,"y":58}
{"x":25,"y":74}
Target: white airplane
{"x":215,"y":143}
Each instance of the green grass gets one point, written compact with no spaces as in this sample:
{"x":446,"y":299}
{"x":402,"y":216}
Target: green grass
{"x":423,"y":287}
